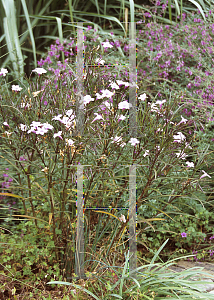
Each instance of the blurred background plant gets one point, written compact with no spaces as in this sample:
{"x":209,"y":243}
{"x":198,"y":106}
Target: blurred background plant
{"x":27,"y":27}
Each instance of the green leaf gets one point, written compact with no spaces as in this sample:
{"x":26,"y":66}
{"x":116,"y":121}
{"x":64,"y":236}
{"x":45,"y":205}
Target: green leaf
{"x":12,"y":38}
{"x":157,"y":253}
{"x":102,"y":16}
{"x":59,"y":24}
{"x":199,"y":7}
{"x":116,"y":296}
{"x":30,"y":31}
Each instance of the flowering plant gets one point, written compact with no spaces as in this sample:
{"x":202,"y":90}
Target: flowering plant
{"x":39,"y":122}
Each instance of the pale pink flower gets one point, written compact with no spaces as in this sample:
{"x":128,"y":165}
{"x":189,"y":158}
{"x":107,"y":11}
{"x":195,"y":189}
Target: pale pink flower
{"x":205,"y":174}
{"x":3,"y":72}
{"x":122,"y":218}
{"x":16,"y":88}
{"x":134,"y":141}
{"x":39,"y":71}
{"x":143,"y":97}
{"x":106,"y":45}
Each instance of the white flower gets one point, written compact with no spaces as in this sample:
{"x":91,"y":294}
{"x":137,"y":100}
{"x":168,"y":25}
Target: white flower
{"x":188,"y":146}
{"x":106,"y":45}
{"x":123,"y":144}
{"x":179,"y":137}
{"x":3,"y":72}
{"x":107,"y":104}
{"x":47,"y":126}
{"x":31,"y":130}
{"x":5,"y":123}
{"x":98,"y":117}
{"x":25,"y":105}
{"x":23,"y":127}
{"x":146,"y":153}
{"x":122,"y":219}
{"x":134,"y":84}
{"x":107,"y":93}
{"x":124,"y":104}
{"x":120,"y":82}
{"x":134,"y":141}
{"x":117,"y":139}
{"x":68,"y":125}
{"x":36,"y":124}
{"x":121,"y":117}
{"x":190,"y":164}
{"x":70,"y":142}
{"x":45,"y":170}
{"x":8,"y":133}
{"x":70,"y":112}
{"x":65,"y":120}
{"x":57,"y":118}
{"x":183,"y":155}
{"x":114,"y":85}
{"x":41,"y":131}
{"x":182,"y":120}
{"x":100,"y":61}
{"x":57,"y":134}
{"x":205,"y":174}
{"x":99,"y":96}
{"x":160,"y":102}
{"x":16,"y":88}
{"x":39,"y":71}
{"x":143,"y":97}
{"x":87,"y":99}
{"x":154,"y":107}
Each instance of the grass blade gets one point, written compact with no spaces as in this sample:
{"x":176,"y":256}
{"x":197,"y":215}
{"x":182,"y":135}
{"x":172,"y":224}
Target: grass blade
{"x":11,"y":56}
{"x":102,"y":16}
{"x":30,"y":31}
{"x":199,"y":7}
{"x":170,"y":10}
{"x":177,"y":7}
{"x":59,"y":24}
{"x":12,"y":39}
{"x":157,"y":253}
{"x":124,"y":271}
{"x":71,"y":12}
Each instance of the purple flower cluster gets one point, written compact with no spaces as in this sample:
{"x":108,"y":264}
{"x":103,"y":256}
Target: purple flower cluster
{"x":165,"y":49}
{"x":195,"y":257}
{"x":6,"y":183}
{"x":55,"y":52}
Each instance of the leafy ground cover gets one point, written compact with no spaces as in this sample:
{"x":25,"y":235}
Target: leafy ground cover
{"x":174,"y":203}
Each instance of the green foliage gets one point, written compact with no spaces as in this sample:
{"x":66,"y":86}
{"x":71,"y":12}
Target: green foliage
{"x":33,"y":256}
{"x":152,"y":281}
{"x":172,"y":198}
